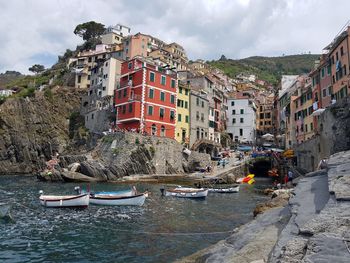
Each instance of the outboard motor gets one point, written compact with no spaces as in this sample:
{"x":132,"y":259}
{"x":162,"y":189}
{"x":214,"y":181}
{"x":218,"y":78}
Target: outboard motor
{"x":162,"y":190}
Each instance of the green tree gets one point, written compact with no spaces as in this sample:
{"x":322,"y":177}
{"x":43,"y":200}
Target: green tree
{"x":89,"y":30}
{"x":37,"y":68}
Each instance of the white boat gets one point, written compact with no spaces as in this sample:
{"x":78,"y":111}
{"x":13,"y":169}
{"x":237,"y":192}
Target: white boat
{"x":117,"y":199}
{"x":185,"y":192}
{"x":234,"y":189}
{"x":81,"y":200}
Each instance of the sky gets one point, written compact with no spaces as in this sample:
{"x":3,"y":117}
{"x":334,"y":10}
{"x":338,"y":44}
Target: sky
{"x":37,"y":31}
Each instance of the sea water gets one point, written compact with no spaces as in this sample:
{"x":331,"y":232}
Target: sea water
{"x":162,"y":230}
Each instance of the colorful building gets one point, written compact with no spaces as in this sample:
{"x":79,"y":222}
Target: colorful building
{"x":338,"y":52}
{"x":146,"y":98}
{"x":182,"y":130}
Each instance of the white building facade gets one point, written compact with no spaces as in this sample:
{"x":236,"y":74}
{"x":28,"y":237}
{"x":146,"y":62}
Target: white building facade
{"x":241,"y":121}
{"x":97,"y":104}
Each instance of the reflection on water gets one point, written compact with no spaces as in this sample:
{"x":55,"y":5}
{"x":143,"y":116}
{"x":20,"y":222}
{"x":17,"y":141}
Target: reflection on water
{"x":162,"y":230}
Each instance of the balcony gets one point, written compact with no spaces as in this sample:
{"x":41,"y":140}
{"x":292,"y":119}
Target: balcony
{"x":135,"y":97}
{"x":125,"y":84}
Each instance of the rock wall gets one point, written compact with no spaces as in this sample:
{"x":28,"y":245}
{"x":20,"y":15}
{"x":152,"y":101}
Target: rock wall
{"x":33,"y":129}
{"x":313,"y":227}
{"x":333,"y":136}
{"x":123,"y":154}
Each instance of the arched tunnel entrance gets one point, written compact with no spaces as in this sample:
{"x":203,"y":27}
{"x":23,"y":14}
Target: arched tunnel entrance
{"x":260,"y":167}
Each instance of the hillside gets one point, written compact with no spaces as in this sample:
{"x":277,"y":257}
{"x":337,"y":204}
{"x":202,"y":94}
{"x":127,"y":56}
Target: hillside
{"x":267,"y":68}
{"x":8,"y":77}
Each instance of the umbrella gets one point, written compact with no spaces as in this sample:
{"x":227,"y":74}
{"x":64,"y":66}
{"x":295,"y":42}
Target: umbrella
{"x":318,"y":112}
{"x":267,"y":136}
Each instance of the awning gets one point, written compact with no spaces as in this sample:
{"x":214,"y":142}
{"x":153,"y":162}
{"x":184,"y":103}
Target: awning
{"x":318,"y":112}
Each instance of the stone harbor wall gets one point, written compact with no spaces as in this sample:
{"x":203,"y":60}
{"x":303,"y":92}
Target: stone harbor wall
{"x":314,"y":226}
{"x":333,"y":135}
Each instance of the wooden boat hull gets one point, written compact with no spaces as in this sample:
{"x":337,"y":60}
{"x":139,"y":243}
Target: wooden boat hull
{"x":183,"y":193}
{"x":224,"y":190}
{"x":135,"y":200}
{"x":65,"y":201}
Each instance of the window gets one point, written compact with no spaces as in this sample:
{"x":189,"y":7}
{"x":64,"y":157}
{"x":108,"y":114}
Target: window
{"x":186,"y":118}
{"x":311,"y":126}
{"x":341,"y":51}
{"x":163,"y":81}
{"x":186,"y":104}
{"x":162,"y":131}
{"x":129,"y":65}
{"x":125,"y":92}
{"x":305,"y":127}
{"x":186,"y":91}
{"x":79,"y":79}
{"x":240,"y":132}
{"x":202,"y":104}
{"x":173,"y":83}
{"x":179,"y":117}
{"x":103,"y":88}
{"x":324,"y":92}
{"x":233,"y":120}
{"x":344,"y":69}
{"x":172,"y":99}
{"x":151,"y":76}
{"x":130,"y":107}
{"x":328,"y":70}
{"x":172,"y":114}
{"x":123,"y":109}
{"x":154,"y":129}
{"x":241,"y":120}
{"x":330,"y":90}
{"x":150,"y":110}
{"x":242,"y":111}
{"x":232,"y":103}
{"x":161,"y":113}
{"x":202,"y":117}
{"x":197,"y":115}
{"x":233,"y":112}
{"x":197,"y":133}
{"x":261,"y":115}
{"x":151,"y":93}
{"x":322,"y":73}
{"x":197,"y":101}
{"x":119,"y":94}
{"x":180,"y":89}
{"x":162,"y":96}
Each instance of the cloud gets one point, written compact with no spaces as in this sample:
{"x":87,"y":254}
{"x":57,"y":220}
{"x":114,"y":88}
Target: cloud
{"x":37,"y":31}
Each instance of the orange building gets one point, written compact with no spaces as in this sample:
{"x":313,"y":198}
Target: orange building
{"x":146,"y":98}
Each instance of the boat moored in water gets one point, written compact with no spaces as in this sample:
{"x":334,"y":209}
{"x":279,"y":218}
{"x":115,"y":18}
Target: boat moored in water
{"x":81,"y":200}
{"x":185,"y":192}
{"x":110,"y":199}
{"x":233,"y":189}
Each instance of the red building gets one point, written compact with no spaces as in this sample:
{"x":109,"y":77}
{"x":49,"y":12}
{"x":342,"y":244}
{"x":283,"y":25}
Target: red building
{"x":146,"y":98}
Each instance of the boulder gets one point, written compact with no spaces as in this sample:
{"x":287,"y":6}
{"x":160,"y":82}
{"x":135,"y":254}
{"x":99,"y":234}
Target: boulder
{"x":77,"y":177}
{"x":74,"y":167}
{"x":94,"y":169}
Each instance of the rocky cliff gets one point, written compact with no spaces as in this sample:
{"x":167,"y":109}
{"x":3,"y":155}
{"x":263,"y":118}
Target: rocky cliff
{"x":33,"y":128}
{"x":123,"y":154}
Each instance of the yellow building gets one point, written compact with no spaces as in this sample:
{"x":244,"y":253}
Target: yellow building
{"x":182,"y":130}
